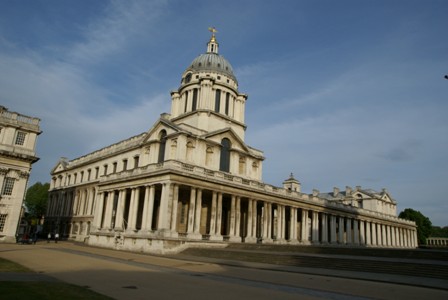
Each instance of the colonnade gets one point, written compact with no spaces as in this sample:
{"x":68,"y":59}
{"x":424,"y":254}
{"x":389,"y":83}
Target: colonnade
{"x":437,"y":241}
{"x":170,"y":209}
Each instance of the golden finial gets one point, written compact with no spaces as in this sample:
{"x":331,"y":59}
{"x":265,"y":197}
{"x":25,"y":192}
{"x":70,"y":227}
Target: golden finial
{"x":213,"y":31}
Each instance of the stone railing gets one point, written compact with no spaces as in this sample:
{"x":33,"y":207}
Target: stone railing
{"x":253,"y":185}
{"x":18,"y":118}
{"x":109,"y":150}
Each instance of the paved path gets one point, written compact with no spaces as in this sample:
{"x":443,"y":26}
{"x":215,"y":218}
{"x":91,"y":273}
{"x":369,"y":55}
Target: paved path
{"x":124,"y":275}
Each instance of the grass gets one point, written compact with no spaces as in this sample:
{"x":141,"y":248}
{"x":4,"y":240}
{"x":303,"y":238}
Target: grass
{"x":9,"y":266}
{"x":40,"y":290}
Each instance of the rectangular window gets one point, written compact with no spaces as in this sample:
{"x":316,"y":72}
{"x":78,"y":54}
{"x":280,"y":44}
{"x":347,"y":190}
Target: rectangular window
{"x":2,"y":221}
{"x":125,"y":164}
{"x":82,"y":176}
{"x":20,"y":138}
{"x":97,"y":172}
{"x":217,"y":101}
{"x":195,"y":100}
{"x":136,"y":161}
{"x":227,"y":103}
{"x":114,"y":166}
{"x":88,"y":174}
{"x":8,"y":186}
{"x":186,"y":102}
{"x":105,"y":170}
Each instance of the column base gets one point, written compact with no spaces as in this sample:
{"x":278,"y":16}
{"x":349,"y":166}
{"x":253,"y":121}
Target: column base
{"x":194,"y":236}
{"x":293,"y":242}
{"x":216,"y":238}
{"x":250,"y":240}
{"x":235,"y":239}
{"x":267,"y":241}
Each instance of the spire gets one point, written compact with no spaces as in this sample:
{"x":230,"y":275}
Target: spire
{"x":212,"y":45}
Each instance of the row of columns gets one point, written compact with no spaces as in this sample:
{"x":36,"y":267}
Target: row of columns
{"x":260,"y":221}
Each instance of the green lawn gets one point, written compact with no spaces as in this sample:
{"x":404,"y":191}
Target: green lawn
{"x":38,"y":290}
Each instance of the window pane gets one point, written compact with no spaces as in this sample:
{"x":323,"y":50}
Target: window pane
{"x":20,"y":138}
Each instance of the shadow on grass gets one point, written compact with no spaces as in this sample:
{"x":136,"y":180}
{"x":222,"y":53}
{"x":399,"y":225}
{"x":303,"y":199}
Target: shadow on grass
{"x":37,"y":290}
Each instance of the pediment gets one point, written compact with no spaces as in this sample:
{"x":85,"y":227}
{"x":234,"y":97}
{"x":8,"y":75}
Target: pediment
{"x":217,"y":136}
{"x":60,"y":166}
{"x":162,"y":124}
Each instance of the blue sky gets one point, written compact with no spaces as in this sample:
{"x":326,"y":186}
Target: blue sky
{"x":340,"y":92}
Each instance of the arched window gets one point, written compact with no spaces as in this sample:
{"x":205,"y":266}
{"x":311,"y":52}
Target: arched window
{"x":224,"y":163}
{"x":162,"y":139}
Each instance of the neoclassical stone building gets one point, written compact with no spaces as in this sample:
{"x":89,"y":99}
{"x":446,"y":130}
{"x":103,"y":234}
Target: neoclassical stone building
{"x":192,"y":179}
{"x":18,"y":136}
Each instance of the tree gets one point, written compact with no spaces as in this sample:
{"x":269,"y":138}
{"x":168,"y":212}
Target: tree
{"x":424,"y":225}
{"x":36,"y":199}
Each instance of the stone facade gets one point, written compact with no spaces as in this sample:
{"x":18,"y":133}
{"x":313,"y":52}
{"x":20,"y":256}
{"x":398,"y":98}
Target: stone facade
{"x":192,"y":179}
{"x":18,"y":135}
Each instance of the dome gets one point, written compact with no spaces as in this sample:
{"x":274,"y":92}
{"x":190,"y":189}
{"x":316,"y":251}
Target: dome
{"x":212,"y":62}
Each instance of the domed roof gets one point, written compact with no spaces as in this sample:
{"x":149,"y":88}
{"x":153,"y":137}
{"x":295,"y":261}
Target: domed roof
{"x":211,"y":60}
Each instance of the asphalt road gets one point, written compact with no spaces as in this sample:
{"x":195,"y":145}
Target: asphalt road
{"x":125,"y":275}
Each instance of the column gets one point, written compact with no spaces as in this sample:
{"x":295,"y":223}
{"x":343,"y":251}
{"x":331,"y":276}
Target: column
{"x":379,"y":234}
{"x":265,"y":221}
{"x":133,"y":208}
{"x":238,"y":218}
{"x":374,"y":235}
{"x":383,"y":235}
{"x":293,"y":225}
{"x":163,"y":223}
{"x":368,"y":234}
{"x":341,"y":230}
{"x":191,"y":210}
{"x":393,"y":236}
{"x":98,"y":216}
{"x":249,"y":236}
{"x":213,"y":215}
{"x":362,"y":232}
{"x":389,"y":239}
{"x":219,"y":215}
{"x":278,"y":224}
{"x":197,"y":214}
{"x":349,"y":231}
{"x":254,"y":219}
{"x":324,"y":228}
{"x":356,"y":231}
{"x":145,"y":209}
{"x":232,"y":216}
{"x":269,"y":215}
{"x":333,"y":225}
{"x":315,"y":227}
{"x":305,"y":231}
{"x":150,"y":212}
{"x":173,"y":225}
{"x":120,"y":210}
{"x":109,"y":207}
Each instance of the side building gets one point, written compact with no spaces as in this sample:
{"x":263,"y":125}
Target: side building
{"x":192,"y":179}
{"x":18,"y":136}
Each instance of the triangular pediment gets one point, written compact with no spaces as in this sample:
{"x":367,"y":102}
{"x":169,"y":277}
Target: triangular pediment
{"x":218,"y":135}
{"x":60,"y":166}
{"x":161,"y":124}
